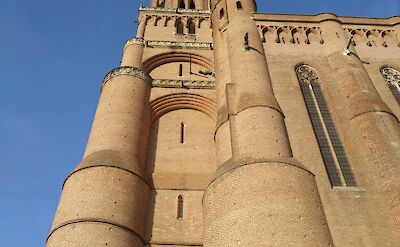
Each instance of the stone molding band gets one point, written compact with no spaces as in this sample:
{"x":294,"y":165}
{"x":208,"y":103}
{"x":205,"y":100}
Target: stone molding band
{"x":170,"y":44}
{"x":167,"y":83}
{"x":130,"y":71}
{"x":107,"y":166}
{"x":231,"y":165}
{"x":172,"y":10}
{"x":225,"y":118}
{"x":179,"y":44}
{"x":96,"y":221}
{"x":374,"y":111}
{"x":134,"y":40}
{"x":173,"y":244}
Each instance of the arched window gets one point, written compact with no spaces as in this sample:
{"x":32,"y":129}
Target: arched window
{"x":192,"y":27}
{"x":181,"y":4}
{"x":392,"y":78}
{"x":332,"y":150}
{"x":179,"y":27}
{"x":239,"y":5}
{"x":192,"y":5}
{"x":221,"y":13}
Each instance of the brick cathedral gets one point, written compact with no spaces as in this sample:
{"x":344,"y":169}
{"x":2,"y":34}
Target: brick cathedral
{"x":226,"y":127}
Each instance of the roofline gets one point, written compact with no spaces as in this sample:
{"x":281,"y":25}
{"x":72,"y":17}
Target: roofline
{"x":326,"y":16}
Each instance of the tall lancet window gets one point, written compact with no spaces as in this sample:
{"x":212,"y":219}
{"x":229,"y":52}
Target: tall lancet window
{"x":332,"y":150}
{"x":392,"y":78}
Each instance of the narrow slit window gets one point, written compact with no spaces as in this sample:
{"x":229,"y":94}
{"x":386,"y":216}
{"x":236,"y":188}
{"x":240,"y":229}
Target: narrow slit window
{"x":182,"y":133}
{"x":392,"y":78}
{"x":221,"y":13}
{"x":180,"y":207}
{"x":239,"y":5}
{"x":332,"y":150}
{"x":180,"y":70}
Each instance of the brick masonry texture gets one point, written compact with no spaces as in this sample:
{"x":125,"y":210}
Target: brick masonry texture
{"x":203,"y":135}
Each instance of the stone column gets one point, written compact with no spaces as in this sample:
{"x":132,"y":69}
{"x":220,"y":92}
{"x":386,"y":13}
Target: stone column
{"x":104,"y":200}
{"x":261,"y":195}
{"x":374,"y":129}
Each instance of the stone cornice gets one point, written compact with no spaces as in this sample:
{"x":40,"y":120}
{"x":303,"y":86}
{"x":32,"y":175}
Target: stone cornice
{"x":287,"y":18}
{"x":179,"y":44}
{"x":168,"y":83}
{"x":130,"y":71}
{"x":170,"y":10}
{"x":134,"y":41}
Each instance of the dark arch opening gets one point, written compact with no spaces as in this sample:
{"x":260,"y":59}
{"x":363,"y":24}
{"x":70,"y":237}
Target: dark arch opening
{"x":192,"y":28}
{"x":181,"y":4}
{"x":179,"y":27}
{"x":239,"y":5}
{"x":192,"y":5}
{"x":221,"y":13}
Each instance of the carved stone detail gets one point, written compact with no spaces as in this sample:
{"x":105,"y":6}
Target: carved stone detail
{"x":177,"y":44}
{"x":173,"y":19}
{"x":291,"y":35}
{"x":171,"y":10}
{"x":128,"y":70}
{"x":391,"y":76}
{"x":167,"y":83}
{"x":373,"y":37}
{"x":133,"y":41}
{"x":306,"y":74}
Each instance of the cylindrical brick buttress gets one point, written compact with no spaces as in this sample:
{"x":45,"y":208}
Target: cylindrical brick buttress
{"x":261,"y":195}
{"x":374,"y":128}
{"x":104,"y":200}
{"x":265,"y":204}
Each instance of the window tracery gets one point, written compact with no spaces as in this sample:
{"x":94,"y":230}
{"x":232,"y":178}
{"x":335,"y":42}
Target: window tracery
{"x":392,"y":78}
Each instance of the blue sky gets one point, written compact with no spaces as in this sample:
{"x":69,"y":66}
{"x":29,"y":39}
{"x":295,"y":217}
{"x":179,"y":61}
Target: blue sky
{"x":53,"y":57}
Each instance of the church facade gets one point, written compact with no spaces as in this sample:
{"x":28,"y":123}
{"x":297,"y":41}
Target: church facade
{"x":227,"y":127}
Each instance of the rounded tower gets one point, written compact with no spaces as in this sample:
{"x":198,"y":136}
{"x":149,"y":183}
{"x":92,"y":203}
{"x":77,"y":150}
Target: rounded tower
{"x":104,"y":200}
{"x":375,"y":130}
{"x":259,"y":193}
